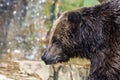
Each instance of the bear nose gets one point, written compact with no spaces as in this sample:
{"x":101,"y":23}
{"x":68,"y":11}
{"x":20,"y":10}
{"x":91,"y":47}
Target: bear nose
{"x":48,"y":59}
{"x":43,"y":57}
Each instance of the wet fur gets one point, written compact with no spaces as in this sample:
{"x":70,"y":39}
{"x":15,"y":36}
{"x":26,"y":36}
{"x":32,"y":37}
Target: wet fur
{"x":92,"y":33}
{"x":101,"y":40}
{"x":99,"y":32}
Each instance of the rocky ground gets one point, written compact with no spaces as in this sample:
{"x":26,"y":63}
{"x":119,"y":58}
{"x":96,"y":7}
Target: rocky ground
{"x":14,"y":69}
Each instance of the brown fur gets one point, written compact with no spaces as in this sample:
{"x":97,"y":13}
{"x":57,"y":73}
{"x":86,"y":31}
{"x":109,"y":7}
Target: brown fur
{"x":92,"y":33}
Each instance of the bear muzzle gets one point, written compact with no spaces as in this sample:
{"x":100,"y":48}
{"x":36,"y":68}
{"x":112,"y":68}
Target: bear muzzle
{"x":53,"y":59}
{"x":49,"y":59}
{"x":54,"y":54}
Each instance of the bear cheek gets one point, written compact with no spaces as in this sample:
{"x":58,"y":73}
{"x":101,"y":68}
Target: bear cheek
{"x":52,"y":55}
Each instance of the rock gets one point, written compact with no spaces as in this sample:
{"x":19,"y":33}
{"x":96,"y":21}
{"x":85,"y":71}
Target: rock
{"x":37,"y":70}
{"x":2,"y":77}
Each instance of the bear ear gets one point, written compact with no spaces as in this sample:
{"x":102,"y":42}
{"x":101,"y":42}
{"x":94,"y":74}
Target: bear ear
{"x":74,"y":17}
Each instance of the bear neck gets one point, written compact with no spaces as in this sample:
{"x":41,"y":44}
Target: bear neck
{"x":99,"y":39}
{"x":98,"y":29}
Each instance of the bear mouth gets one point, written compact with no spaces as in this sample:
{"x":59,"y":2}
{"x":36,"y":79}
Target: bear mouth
{"x":55,"y":60}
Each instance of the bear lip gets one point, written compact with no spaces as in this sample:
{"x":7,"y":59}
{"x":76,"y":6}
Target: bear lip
{"x":58,"y":59}
{"x":50,"y":62}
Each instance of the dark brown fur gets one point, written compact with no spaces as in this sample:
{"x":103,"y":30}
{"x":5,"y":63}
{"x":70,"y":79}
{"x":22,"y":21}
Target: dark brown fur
{"x":92,"y":33}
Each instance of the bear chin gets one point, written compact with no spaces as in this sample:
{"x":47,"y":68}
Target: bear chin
{"x":56,"y":61}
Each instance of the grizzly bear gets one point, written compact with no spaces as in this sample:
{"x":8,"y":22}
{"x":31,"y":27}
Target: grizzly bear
{"x":92,"y":33}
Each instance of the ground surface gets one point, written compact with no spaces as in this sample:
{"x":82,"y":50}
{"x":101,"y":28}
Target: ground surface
{"x":14,"y":69}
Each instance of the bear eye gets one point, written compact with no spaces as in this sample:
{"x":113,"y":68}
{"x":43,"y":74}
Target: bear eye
{"x":55,"y":41}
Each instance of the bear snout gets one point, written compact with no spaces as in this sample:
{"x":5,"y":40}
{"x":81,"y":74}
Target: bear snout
{"x":52,"y":54}
{"x":49,"y":58}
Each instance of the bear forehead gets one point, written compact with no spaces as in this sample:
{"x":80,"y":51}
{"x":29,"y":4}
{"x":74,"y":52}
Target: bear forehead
{"x":62,"y":17}
{"x":55,"y":25}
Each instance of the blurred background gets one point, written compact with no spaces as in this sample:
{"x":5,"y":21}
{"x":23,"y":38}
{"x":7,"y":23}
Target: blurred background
{"x":24,"y":32}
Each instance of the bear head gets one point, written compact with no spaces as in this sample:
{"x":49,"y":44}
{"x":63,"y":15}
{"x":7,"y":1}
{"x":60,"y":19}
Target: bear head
{"x":62,"y":36}
{"x":73,"y":34}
